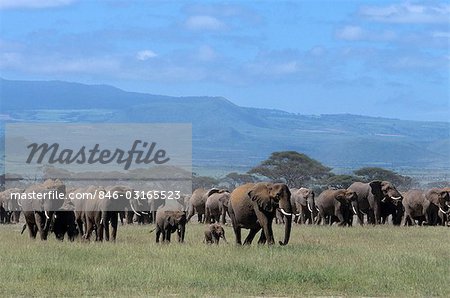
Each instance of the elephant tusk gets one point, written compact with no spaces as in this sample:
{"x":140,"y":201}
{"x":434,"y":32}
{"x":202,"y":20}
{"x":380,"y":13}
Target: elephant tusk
{"x":362,"y":212}
{"x":309,"y":208}
{"x":396,"y":198}
{"x":145,"y":212}
{"x":445,"y":212}
{"x":285,"y":213}
{"x":134,"y":210}
{"x":19,"y":203}
{"x":383,"y":200}
{"x":354,"y":210}
{"x":46,"y":215}
{"x":317,"y":208}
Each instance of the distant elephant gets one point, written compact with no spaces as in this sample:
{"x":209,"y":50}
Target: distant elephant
{"x":213,"y":233}
{"x":197,"y":204}
{"x":419,"y":203}
{"x":104,"y":208}
{"x":168,"y":222}
{"x":370,"y":196}
{"x":335,"y":204}
{"x":303,"y":200}
{"x":253,"y":206}
{"x":65,"y":222}
{"x":216,"y":205}
{"x":38,"y":213}
{"x":393,"y":208}
{"x":11,"y":204}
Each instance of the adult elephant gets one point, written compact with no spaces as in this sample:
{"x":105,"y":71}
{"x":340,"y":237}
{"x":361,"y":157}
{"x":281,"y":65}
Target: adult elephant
{"x":418,"y":203}
{"x":393,"y":208}
{"x":303,"y":201}
{"x":11,"y":204}
{"x":253,"y":206}
{"x":335,"y":204}
{"x":38,"y":213}
{"x":65,"y":222}
{"x":370,"y":195}
{"x":216,"y":206}
{"x":197,"y":203}
{"x":104,"y":209}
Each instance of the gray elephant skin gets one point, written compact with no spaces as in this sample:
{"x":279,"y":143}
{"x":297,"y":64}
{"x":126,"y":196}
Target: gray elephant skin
{"x":196,"y":204}
{"x":213,"y":233}
{"x":335,"y":205}
{"x":10,"y":205}
{"x":303,"y":202}
{"x":216,"y":206}
{"x":253,"y":206}
{"x":370,"y":196}
{"x":427,"y":204}
{"x":39,"y":213}
{"x":168,"y":222}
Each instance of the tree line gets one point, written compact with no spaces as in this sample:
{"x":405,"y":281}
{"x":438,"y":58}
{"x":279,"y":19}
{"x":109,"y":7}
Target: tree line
{"x":299,"y":170}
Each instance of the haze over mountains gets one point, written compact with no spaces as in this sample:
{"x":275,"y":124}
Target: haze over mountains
{"x":229,"y":136}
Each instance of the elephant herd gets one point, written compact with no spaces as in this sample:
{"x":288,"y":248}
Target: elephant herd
{"x":252,"y":206}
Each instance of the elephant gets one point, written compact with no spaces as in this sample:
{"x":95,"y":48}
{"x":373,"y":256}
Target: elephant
{"x":11,"y":204}
{"x":216,"y":205}
{"x":392,"y":208}
{"x":38,"y":213}
{"x":104,"y":209}
{"x":370,"y":196}
{"x":336,"y":205}
{"x":213,"y":233}
{"x":197,"y":204}
{"x":303,"y":200}
{"x":169,"y":221}
{"x":428,"y":203}
{"x":65,"y":222}
{"x":253,"y":206}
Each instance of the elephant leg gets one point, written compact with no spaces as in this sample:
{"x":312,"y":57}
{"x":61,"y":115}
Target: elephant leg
{"x":262,"y":238}
{"x":114,"y":225}
{"x":207,"y":216}
{"x":200,"y":217}
{"x":251,"y":235}
{"x":224,"y":215}
{"x":106,"y":228}
{"x":168,"y":234}
{"x":158,"y":234}
{"x":191,"y":213}
{"x":89,"y":229}
{"x":377,"y":214}
{"x":40,"y":224}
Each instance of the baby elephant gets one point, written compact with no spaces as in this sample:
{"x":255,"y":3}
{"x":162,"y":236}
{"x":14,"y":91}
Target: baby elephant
{"x":213,"y":233}
{"x":167,"y":222}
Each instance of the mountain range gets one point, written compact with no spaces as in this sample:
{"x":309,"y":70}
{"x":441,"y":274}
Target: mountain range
{"x":231,"y":137}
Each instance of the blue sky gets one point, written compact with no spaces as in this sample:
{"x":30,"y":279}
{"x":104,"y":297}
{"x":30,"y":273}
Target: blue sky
{"x":377,"y":58}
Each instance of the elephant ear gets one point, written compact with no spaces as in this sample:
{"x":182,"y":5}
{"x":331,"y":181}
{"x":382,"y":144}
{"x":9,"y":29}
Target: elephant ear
{"x":262,"y":198}
{"x":212,"y":191}
{"x":375,"y":187}
{"x":171,"y":220}
{"x":340,"y":197}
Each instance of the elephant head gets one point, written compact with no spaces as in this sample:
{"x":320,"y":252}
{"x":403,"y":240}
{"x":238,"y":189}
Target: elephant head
{"x":307,"y":198}
{"x":218,"y":231}
{"x":176,"y":221}
{"x":268,"y":197}
{"x":441,"y":198}
{"x":385,"y":190}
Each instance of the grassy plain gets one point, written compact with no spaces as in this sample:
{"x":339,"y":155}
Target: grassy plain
{"x":319,"y":261}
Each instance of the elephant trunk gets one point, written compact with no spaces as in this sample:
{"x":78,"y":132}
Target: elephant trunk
{"x":286,"y":205}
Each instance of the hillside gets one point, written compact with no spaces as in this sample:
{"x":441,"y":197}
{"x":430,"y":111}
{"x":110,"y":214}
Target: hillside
{"x":229,"y":136}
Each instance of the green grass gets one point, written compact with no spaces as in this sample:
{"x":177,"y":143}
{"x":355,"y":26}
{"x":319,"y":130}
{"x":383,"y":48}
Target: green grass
{"x":319,"y":261}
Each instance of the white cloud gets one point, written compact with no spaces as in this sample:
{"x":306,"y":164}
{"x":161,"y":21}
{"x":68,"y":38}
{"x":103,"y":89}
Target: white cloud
{"x":145,"y":55}
{"x":408,"y":13}
{"x":206,"y":53}
{"x":204,"y":22}
{"x":350,"y":33}
{"x":12,"y":4}
{"x":354,"y":33}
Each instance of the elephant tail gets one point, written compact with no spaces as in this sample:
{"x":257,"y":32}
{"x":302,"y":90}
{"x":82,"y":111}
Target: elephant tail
{"x":23,"y":229}
{"x":151,"y":231}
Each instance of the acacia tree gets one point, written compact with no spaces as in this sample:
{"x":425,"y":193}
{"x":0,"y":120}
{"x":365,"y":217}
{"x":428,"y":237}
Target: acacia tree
{"x":293,"y":168}
{"x":375,"y":173}
{"x":235,"y":179}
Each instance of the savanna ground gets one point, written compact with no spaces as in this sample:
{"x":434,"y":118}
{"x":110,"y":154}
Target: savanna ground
{"x":319,"y":261}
